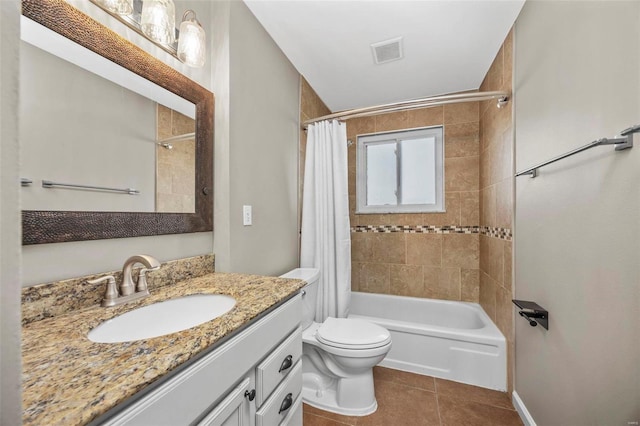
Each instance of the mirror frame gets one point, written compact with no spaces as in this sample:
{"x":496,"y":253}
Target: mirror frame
{"x":39,"y":226}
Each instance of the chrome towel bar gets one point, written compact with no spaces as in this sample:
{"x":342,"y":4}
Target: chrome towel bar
{"x":49,"y":184}
{"x":625,"y":141}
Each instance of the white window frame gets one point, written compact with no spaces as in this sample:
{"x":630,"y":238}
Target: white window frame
{"x":397,"y":136}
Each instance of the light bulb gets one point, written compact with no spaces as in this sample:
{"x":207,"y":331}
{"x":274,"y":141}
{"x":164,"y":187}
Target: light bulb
{"x":191,"y":42}
{"x":158,"y":21}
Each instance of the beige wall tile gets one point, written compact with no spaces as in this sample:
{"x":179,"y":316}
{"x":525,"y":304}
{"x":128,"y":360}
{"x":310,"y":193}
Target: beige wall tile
{"x":361,"y":247}
{"x":505,"y":165}
{"x":374,"y":278}
{"x":374,"y":219}
{"x":504,"y":206}
{"x":424,"y":117}
{"x":470,"y":285}
{"x":389,"y":247}
{"x":450,"y":217}
{"x":504,"y":311}
{"x":492,"y":257}
{"x":460,"y":250}
{"x":462,"y":140}
{"x":310,"y":102}
{"x":488,"y":295}
{"x":392,"y":121}
{"x":442,"y":283}
{"x":488,"y":213}
{"x":464,"y":112}
{"x":461,"y":174}
{"x":406,"y":280}
{"x":470,"y":208}
{"x":181,"y":124}
{"x":424,"y":249}
{"x":356,"y":268}
{"x":360,"y":126}
{"x":507,"y":280}
{"x":164,"y":122}
{"x":507,"y":66}
{"x":407,"y":219}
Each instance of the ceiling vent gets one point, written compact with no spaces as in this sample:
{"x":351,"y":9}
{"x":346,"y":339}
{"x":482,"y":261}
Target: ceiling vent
{"x":387,"y":51}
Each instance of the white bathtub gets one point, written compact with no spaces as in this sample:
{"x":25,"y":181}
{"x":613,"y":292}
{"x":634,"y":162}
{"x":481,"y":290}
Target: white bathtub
{"x":450,"y":340}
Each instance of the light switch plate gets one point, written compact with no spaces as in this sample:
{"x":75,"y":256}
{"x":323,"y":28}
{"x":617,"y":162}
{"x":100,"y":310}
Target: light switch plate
{"x":246,"y":215}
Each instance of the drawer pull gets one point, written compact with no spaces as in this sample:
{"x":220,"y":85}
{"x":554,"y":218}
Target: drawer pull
{"x":286,"y":364}
{"x":250,"y":394}
{"x":286,"y":403}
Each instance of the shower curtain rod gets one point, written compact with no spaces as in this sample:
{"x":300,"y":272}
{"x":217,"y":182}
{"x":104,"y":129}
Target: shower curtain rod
{"x":502,"y":97}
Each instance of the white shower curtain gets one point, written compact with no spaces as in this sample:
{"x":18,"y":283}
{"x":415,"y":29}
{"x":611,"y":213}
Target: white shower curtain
{"x":326,"y":239}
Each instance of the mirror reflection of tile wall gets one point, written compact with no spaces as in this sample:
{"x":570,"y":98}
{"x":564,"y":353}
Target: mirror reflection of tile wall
{"x":175,"y":182}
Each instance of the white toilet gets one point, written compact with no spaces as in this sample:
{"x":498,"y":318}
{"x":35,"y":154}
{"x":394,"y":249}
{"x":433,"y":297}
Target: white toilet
{"x":338,"y":356}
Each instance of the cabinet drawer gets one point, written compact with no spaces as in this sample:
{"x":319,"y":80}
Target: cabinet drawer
{"x":276,"y":366}
{"x":294,"y":418}
{"x":282,"y":400}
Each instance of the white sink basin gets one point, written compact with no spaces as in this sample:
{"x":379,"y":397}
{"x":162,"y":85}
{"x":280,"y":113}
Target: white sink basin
{"x":162,"y":318}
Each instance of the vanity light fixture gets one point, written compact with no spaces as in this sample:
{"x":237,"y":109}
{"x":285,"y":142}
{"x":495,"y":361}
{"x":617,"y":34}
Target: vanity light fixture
{"x":155,"y":20}
{"x":158,"y":20}
{"x":121,"y":7}
{"x":191,"y":42}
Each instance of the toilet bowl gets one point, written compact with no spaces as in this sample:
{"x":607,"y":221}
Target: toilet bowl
{"x":338,"y":356}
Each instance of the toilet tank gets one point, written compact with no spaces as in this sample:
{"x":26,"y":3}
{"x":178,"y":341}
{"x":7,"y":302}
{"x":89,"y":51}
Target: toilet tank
{"x":311,"y":276}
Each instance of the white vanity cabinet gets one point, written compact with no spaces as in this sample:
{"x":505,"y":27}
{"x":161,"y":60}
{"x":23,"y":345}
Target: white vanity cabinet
{"x":254,"y":378}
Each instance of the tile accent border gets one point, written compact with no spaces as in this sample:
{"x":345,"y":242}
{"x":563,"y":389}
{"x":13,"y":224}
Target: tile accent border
{"x":501,"y":233}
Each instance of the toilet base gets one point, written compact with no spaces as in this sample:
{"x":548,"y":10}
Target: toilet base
{"x":326,"y":398}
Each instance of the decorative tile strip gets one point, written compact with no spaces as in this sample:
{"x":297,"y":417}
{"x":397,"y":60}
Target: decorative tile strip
{"x":419,"y":229}
{"x":501,"y":233}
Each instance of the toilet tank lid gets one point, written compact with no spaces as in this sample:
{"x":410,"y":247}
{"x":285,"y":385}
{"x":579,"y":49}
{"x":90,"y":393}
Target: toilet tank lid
{"x":308,"y":274}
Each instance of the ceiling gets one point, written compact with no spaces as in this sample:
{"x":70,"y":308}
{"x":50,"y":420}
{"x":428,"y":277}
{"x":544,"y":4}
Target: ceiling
{"x":448,"y":45}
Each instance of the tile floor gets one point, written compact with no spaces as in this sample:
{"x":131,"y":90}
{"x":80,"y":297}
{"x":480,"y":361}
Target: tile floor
{"x":406,"y":399}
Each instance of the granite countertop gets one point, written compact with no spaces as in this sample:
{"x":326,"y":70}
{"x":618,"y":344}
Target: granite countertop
{"x":67,"y":379}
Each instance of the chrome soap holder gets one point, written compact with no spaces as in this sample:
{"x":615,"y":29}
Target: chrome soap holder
{"x":533,"y":313}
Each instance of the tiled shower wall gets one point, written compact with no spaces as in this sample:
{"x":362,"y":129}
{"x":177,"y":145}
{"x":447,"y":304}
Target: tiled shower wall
{"x":434,"y":255}
{"x":496,"y":195}
{"x":176,"y":168}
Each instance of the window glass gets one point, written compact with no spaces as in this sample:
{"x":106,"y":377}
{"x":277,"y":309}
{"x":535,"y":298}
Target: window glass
{"x":400,"y":172}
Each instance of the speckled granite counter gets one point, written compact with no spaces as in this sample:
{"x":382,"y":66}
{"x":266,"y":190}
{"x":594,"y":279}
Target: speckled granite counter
{"x":69,"y":380}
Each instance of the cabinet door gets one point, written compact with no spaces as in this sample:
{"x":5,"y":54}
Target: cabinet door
{"x":232,"y":411}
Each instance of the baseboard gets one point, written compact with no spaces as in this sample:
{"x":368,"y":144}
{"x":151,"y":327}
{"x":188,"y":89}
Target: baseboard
{"x":524,"y":414}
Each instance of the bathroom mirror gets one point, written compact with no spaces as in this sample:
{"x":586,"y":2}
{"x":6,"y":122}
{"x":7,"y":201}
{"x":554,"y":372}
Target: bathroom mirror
{"x":78,"y":222}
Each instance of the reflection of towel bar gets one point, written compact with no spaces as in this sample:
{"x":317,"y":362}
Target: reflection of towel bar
{"x":49,"y":184}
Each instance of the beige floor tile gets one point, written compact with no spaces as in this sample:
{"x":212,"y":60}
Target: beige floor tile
{"x":470,"y":413}
{"x":348,"y":420}
{"x":402,"y":405}
{"x":460,"y":391}
{"x":403,"y":378}
{"x":313,"y":420}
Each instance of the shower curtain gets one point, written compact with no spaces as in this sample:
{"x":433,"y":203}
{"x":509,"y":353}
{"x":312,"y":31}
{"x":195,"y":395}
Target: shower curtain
{"x":326,"y":239}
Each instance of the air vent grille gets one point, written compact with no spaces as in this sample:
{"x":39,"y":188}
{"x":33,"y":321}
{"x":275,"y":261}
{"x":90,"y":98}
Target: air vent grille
{"x":387,"y":51}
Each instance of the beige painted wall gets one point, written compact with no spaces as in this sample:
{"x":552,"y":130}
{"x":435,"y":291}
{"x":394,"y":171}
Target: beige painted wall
{"x":258,"y":109}
{"x":577,"y":227}
{"x":49,"y":262}
{"x":10,"y":237}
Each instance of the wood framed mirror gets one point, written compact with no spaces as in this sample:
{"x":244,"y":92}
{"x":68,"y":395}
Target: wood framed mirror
{"x":53,"y":226}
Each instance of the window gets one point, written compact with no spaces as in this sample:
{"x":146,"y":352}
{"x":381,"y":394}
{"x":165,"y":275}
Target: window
{"x":400,"y":172}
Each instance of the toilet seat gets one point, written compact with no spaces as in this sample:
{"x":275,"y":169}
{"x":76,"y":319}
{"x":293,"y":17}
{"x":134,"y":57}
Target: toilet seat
{"x":353,"y":334}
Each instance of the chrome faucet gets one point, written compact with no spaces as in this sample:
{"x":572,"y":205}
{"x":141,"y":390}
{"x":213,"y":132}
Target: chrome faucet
{"x":128,"y":290}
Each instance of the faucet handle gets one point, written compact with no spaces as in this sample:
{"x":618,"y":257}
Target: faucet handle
{"x":142,"y":278}
{"x":111,"y":292}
